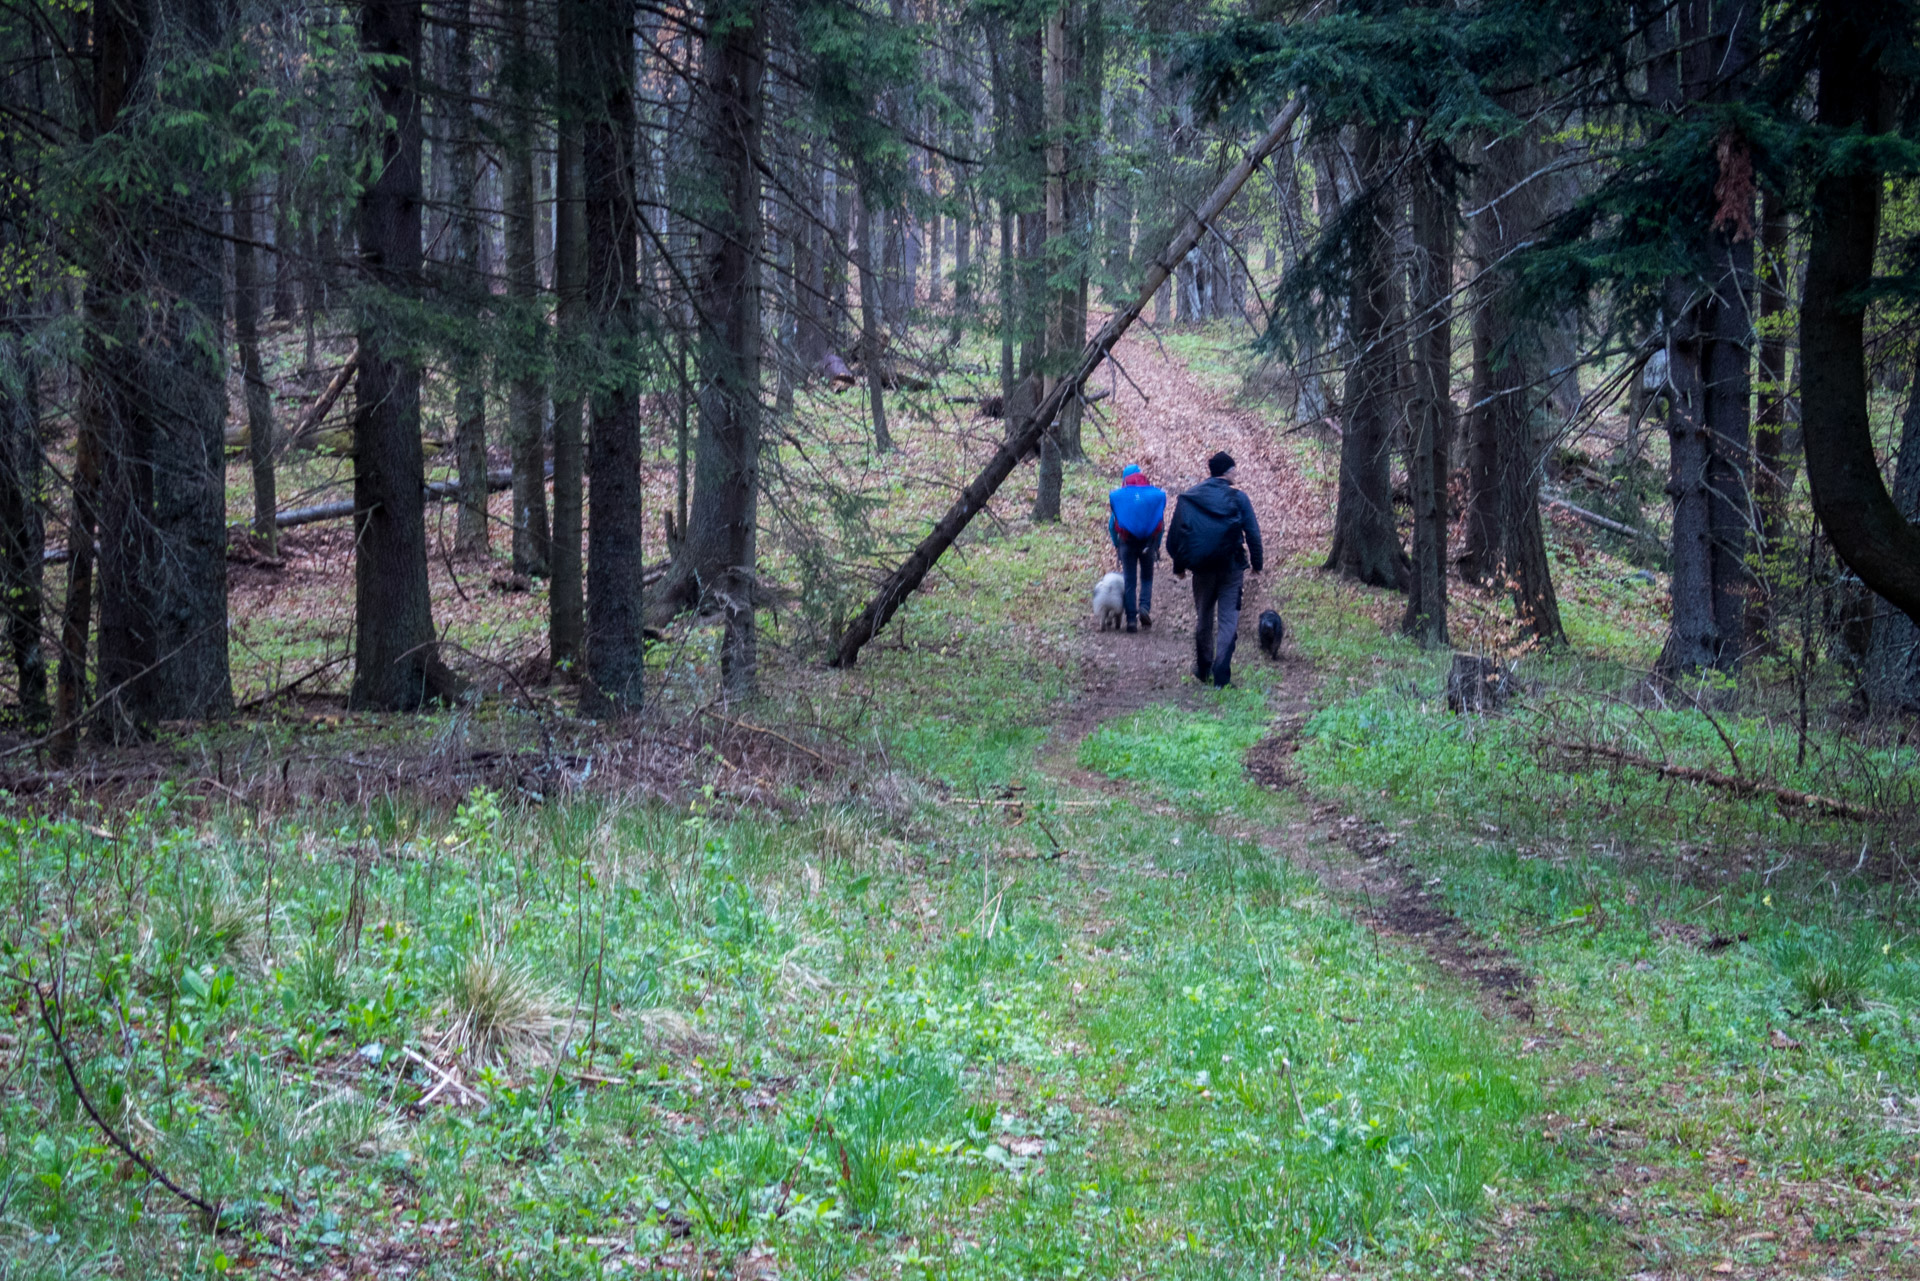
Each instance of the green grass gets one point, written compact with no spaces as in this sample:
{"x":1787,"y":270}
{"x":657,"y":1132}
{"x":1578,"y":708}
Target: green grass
{"x":761,"y":1036}
{"x":919,"y":1030}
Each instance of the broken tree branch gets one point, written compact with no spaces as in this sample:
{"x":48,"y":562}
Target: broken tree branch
{"x":1022,"y":440}
{"x":318,"y":411}
{"x":51,"y":1016}
{"x":433,"y":491}
{"x":1599,"y":521}
{"x":1725,"y":782}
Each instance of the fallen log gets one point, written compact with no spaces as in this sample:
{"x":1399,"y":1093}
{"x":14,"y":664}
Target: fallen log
{"x":434,"y":491}
{"x":1725,"y":782}
{"x":995,"y":406}
{"x":318,"y":411}
{"x":1025,"y":437}
{"x":1599,"y":521}
{"x":438,"y":491}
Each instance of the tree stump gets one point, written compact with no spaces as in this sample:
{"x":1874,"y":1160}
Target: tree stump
{"x":1477,"y":684}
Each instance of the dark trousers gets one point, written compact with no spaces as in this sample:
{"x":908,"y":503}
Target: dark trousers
{"x":1216,"y":592}
{"x":1137,"y":557}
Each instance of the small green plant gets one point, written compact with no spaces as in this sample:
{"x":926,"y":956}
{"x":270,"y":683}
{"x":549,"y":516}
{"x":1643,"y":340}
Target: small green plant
{"x":1826,"y":972}
{"x":318,"y":976}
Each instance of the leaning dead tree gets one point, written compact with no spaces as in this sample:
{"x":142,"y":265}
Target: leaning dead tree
{"x":1023,"y":438}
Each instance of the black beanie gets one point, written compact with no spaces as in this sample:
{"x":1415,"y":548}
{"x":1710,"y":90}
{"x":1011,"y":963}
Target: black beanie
{"x":1220,"y":464}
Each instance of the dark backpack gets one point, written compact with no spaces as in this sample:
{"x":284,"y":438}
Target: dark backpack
{"x":1202,"y":539}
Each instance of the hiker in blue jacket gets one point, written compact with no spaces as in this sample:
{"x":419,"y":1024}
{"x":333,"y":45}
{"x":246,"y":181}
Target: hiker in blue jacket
{"x":1136,"y":514}
{"x":1213,"y":533}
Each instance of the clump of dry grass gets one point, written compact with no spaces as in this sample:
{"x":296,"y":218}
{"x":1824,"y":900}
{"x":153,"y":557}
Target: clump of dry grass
{"x":216,"y":925}
{"x":840,"y":836}
{"x":500,"y":1011}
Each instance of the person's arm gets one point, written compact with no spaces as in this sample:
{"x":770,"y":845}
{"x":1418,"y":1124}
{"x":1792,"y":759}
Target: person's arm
{"x":1256,"y":552}
{"x":1176,"y":539}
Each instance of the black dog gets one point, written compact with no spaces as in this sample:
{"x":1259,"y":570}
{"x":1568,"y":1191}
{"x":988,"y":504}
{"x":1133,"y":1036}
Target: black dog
{"x":1272,"y":632}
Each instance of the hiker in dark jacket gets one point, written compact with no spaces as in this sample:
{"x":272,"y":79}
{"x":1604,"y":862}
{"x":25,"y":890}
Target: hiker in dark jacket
{"x":1213,"y":533}
{"x":1136,"y":515}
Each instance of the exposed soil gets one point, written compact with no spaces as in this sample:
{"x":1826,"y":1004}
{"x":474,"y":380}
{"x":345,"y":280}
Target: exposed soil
{"x":1180,"y":425}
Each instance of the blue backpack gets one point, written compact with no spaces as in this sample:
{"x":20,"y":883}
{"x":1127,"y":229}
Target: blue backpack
{"x":1138,"y":509}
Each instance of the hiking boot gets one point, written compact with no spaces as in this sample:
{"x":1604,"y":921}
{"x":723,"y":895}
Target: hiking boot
{"x":1146,"y":620}
{"x":1222,"y":676}
{"x":1132,"y":628}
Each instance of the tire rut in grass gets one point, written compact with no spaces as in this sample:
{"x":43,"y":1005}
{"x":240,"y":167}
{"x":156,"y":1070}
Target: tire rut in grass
{"x":1122,"y":674}
{"x":1389,"y":895}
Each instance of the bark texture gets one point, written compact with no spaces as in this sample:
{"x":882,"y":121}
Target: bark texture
{"x":1366,"y":546}
{"x":532,"y":544}
{"x":1850,"y":496}
{"x":396,"y":664}
{"x":466,"y":276}
{"x":566,"y":622}
{"x":22,"y":528}
{"x":716,"y":566}
{"x":615,"y":654}
{"x":1506,"y":435}
{"x":1430,"y":431}
{"x":1709,"y":353}
{"x":155,"y":298}
{"x":248,"y":289}
{"x":1892,"y":677}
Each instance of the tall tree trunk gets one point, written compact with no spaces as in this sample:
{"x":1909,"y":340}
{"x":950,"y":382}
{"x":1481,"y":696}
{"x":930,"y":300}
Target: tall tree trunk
{"x":396,"y":664}
{"x":1009,"y":302}
{"x":468,"y":279}
{"x":566,"y":602}
{"x":159,"y":292}
{"x":1506,"y":442}
{"x":1771,"y":469}
{"x":1712,"y":326}
{"x":1892,"y":677}
{"x":1366,"y":546}
{"x":1160,"y":133}
{"x":1431,"y":428}
{"x":1085,"y":74}
{"x":723,"y":533}
{"x":76,"y":614}
{"x":1116,"y":200}
{"x":839,"y":268}
{"x":872,"y":342}
{"x":1693,"y":639}
{"x":1864,"y":524}
{"x":286,"y":261}
{"x":1059,"y":302}
{"x":615,"y":647}
{"x":812,"y":333}
{"x":22,"y":528}
{"x":962,"y":271}
{"x":1520,"y":444}
{"x":532,"y":545}
{"x":247,"y":288}
{"x":1479,"y":559}
{"x":890,"y":238}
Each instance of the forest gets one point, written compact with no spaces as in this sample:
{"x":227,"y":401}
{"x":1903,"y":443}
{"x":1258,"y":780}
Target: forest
{"x":584,"y":697}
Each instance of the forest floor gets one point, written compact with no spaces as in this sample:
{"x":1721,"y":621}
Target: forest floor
{"x":1012,"y":952}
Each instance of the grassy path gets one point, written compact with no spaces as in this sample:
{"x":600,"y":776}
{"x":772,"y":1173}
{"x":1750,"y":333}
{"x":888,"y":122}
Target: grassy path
{"x":1615,"y":1147}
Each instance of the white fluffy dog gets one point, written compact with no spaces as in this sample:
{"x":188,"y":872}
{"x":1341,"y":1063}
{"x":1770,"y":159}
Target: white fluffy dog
{"x":1106,"y":601}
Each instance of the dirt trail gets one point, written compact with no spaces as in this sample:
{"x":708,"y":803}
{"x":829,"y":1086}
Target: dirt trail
{"x":1178,"y":425}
